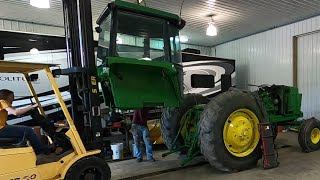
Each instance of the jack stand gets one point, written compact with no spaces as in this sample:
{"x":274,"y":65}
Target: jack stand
{"x":270,"y":154}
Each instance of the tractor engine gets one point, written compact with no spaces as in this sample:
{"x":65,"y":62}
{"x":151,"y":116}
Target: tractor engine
{"x":282,"y":103}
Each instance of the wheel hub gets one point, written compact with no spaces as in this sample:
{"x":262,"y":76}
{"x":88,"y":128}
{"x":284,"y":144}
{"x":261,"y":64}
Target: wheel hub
{"x":315,"y":135}
{"x":240,"y":133}
{"x":91,"y":174}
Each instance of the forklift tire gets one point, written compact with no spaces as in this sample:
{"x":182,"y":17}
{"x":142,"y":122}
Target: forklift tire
{"x":171,"y":117}
{"x":309,"y":135}
{"x":89,"y":168}
{"x":229,"y":134}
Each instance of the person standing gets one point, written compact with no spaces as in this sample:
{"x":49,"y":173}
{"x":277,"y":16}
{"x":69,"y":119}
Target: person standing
{"x":140,"y":129}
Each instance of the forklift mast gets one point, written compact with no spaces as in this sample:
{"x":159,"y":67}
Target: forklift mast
{"x":82,"y":71}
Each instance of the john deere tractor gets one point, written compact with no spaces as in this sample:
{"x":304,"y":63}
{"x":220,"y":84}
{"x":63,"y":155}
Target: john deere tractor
{"x":139,"y":50}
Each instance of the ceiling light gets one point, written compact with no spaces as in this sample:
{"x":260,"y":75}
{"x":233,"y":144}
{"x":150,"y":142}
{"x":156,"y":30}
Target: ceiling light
{"x":212,"y":29}
{"x":32,"y":40}
{"x":176,"y":39}
{"x":211,"y":3}
{"x":40,"y":3}
{"x":146,"y":58}
{"x":183,"y":38}
{"x":34,"y":51}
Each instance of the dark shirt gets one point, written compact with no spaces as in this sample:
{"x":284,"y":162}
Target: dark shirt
{"x":140,"y":117}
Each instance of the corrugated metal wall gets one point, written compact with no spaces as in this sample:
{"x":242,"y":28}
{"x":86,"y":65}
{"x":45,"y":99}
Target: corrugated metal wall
{"x":308,"y":74}
{"x":267,"y":58}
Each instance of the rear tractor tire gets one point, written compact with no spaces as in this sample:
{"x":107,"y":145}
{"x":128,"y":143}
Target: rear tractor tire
{"x":309,"y":135}
{"x":92,"y":168}
{"x":171,"y":118}
{"x":229,"y":133}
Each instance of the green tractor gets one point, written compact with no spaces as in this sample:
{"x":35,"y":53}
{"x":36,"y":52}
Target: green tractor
{"x":146,"y":71}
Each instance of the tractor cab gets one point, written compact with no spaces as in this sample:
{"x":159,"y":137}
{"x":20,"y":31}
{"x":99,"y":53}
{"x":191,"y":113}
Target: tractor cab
{"x":139,"y":56}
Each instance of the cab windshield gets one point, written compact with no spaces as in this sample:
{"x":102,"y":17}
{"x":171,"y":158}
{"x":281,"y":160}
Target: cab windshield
{"x":139,"y":37}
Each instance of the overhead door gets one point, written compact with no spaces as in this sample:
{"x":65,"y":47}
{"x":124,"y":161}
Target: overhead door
{"x":309,"y":74}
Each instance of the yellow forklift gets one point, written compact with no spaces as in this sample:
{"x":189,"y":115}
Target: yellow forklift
{"x":19,"y":161}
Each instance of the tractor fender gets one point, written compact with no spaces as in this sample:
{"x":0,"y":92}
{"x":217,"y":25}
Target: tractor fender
{"x":63,"y":171}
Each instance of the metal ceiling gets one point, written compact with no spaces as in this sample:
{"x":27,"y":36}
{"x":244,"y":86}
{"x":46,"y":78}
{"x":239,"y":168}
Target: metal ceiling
{"x":234,"y":18}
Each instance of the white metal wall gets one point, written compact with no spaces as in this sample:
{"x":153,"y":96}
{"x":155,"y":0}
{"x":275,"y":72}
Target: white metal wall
{"x":131,"y":40}
{"x":9,"y":25}
{"x":266,"y":58}
{"x":308,"y":74}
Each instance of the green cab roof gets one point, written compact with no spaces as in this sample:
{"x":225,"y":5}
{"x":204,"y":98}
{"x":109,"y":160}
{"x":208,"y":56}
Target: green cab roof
{"x":141,"y":10}
{"x":145,"y":10}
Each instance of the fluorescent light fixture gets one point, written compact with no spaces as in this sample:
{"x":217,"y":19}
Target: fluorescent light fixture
{"x":146,"y":58}
{"x":211,"y":30}
{"x":32,"y":40}
{"x":40,"y":3}
{"x":34,"y":51}
{"x":176,"y":39}
{"x":184,"y":38}
{"x":119,"y":40}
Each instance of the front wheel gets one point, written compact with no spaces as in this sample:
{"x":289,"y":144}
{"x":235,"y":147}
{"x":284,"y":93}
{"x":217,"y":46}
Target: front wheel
{"x":229,"y":132}
{"x":89,"y":168}
{"x":309,"y":135}
{"x":171,"y":120}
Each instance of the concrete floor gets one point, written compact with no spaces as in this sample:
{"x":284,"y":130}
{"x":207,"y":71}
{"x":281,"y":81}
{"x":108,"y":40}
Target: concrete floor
{"x":294,"y":164}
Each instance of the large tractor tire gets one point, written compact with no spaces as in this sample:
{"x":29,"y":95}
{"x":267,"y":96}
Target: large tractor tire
{"x":229,"y":133}
{"x":309,"y":135}
{"x":171,"y":118}
{"x":89,"y":168}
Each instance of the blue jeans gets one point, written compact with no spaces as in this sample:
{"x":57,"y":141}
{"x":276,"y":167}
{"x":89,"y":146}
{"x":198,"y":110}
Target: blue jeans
{"x":12,"y":131}
{"x":138,"y":131}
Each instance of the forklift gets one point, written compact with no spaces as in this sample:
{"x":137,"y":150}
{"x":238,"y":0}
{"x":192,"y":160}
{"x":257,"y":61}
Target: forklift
{"x":19,"y":161}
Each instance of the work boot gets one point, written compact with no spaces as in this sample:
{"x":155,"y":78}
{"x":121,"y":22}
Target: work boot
{"x":139,"y":160}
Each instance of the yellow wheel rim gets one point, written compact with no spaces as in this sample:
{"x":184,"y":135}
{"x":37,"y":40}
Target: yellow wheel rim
{"x":241,"y":133}
{"x":184,"y":128}
{"x":315,"y":135}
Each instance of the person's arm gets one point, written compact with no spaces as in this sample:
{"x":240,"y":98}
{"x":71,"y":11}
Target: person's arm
{"x":19,"y":112}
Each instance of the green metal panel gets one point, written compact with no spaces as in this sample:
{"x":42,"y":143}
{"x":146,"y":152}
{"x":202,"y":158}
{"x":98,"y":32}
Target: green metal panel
{"x":146,"y":10}
{"x":294,"y":100}
{"x":139,"y":83}
{"x":282,"y":103}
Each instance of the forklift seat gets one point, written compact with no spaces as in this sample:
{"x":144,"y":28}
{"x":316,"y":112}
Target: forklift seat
{"x":13,"y":142}
{"x":8,"y":141}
